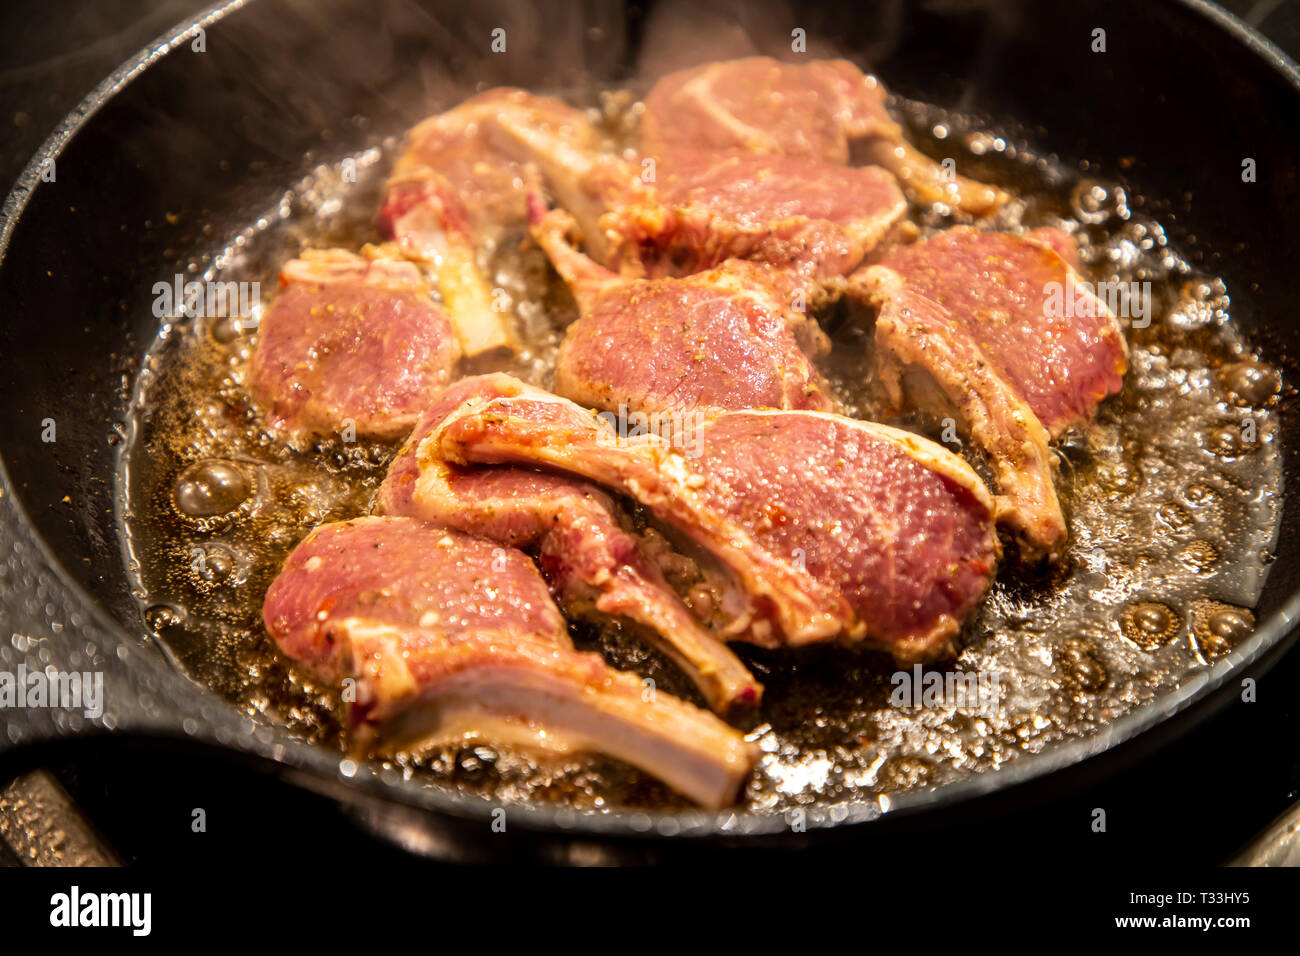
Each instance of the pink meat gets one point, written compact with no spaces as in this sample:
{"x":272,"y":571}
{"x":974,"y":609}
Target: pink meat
{"x":833,"y":527}
{"x":443,"y":634}
{"x":351,"y":342}
{"x":996,"y":289}
{"x":597,"y":567}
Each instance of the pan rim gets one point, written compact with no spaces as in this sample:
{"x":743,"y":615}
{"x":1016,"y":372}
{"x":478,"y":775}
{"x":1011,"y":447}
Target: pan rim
{"x":341,"y":777}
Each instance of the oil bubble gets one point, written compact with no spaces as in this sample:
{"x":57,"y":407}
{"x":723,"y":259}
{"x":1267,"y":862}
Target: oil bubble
{"x":1250,"y":382}
{"x":1094,"y":201}
{"x":212,"y":492}
{"x":1148,"y":624}
{"x":1081,"y":666}
{"x":210,"y":488}
{"x":162,"y":617}
{"x":1199,"y":556}
{"x":1217,"y":628}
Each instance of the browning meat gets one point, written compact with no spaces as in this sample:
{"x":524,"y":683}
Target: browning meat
{"x":972,"y":311}
{"x":697,"y":209}
{"x":814,"y":110}
{"x":727,"y":338}
{"x":452,"y":193}
{"x":449,"y":635}
{"x":831,"y":527}
{"x":597,"y":567}
{"x":430,"y":226}
{"x":350,"y":344}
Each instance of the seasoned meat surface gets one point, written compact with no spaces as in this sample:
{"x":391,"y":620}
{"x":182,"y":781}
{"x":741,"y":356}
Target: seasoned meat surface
{"x":599,"y":569}
{"x":974,"y":311}
{"x":723,"y":339}
{"x":761,"y":105}
{"x":814,"y":110}
{"x":694,"y":209}
{"x":460,"y":145}
{"x":453,"y":191}
{"x":446,"y":633}
{"x":832,"y":527}
{"x":351,"y":345}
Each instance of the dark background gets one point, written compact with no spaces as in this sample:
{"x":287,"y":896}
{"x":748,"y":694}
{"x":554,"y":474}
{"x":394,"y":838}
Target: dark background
{"x":1193,"y":803}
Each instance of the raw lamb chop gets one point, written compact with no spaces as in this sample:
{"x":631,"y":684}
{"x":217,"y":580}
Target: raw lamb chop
{"x":698,"y":209}
{"x":972,"y":313}
{"x":351,"y":342}
{"x":788,"y":211}
{"x":452,"y":192}
{"x":815,"y":110}
{"x":831,"y":527}
{"x":597,"y":568}
{"x":723,"y":339}
{"x":450,"y":637}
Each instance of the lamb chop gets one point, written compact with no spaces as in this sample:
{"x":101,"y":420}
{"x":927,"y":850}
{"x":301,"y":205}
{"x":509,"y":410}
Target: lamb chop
{"x":816,"y":110}
{"x":598,"y":569}
{"x":761,"y":105}
{"x":351,"y":342}
{"x":829,"y":527}
{"x":723,"y":339}
{"x":699,"y":209}
{"x":965,"y":322}
{"x":452,"y":192}
{"x":789,"y":211}
{"x":450,"y":637}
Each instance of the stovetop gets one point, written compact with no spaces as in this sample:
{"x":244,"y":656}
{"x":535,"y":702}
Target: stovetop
{"x":1194,"y":802}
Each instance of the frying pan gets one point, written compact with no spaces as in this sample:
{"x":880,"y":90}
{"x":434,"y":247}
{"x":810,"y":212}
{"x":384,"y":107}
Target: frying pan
{"x":195,"y":136}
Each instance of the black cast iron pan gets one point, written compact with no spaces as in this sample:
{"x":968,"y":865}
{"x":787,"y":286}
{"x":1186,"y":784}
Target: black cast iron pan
{"x":191,"y":138}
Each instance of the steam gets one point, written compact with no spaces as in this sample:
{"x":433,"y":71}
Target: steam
{"x":684,"y":33}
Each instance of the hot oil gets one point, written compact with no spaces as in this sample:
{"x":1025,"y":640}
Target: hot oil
{"x":1173,"y":499}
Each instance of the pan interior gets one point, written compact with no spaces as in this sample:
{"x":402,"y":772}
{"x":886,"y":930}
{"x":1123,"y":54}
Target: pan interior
{"x":1173,"y":499}
{"x":1169,"y":506}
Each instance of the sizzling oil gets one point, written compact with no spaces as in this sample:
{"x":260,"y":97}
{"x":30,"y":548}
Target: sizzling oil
{"x":1173,"y":498}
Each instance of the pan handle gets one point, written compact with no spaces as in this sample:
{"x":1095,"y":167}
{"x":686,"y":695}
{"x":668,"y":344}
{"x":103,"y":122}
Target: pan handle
{"x":42,"y":826}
